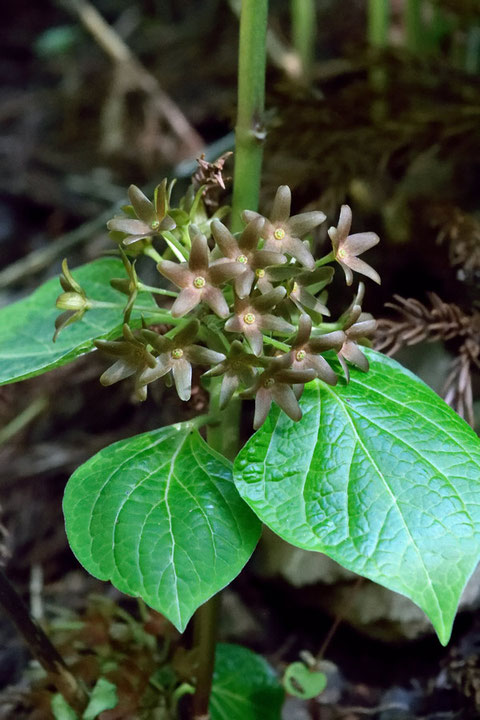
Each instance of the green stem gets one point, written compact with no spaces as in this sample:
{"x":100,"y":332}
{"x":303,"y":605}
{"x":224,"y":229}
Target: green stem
{"x":413,"y":25}
{"x":152,"y":253}
{"x":276,"y":344}
{"x":250,"y":129}
{"x":156,"y":290}
{"x":175,"y":246}
{"x":223,"y":436}
{"x":326,"y":259}
{"x":303,"y":14}
{"x":378,"y":19}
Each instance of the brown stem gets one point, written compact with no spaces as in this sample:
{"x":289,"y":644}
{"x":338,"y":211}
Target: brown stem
{"x":41,"y":647}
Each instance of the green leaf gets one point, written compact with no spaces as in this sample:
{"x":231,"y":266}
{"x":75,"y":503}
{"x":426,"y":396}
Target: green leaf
{"x":302,"y":682}
{"x":61,"y":710}
{"x":380,"y":475}
{"x":245,"y":686}
{"x":103,"y":697}
{"x":158,"y":515}
{"x":27,"y":326}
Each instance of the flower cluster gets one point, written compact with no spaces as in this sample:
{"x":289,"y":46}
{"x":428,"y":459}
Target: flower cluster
{"x":249,"y":308}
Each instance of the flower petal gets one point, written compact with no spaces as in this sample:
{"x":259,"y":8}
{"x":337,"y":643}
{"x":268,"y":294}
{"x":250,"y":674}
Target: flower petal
{"x":198,"y":260}
{"x":203,"y":356}
{"x":178,"y":273}
{"x":263,"y":403}
{"x":225,"y":240}
{"x":303,"y":332}
{"x":329,"y":341}
{"x":352,"y":353}
{"x":364,"y":269}
{"x":118,"y":371}
{"x":281,"y":205}
{"x":300,"y":225}
{"x":255,"y":338}
{"x":141,"y":204}
{"x":285,"y":398}
{"x":323,"y":369}
{"x":129,"y":226}
{"x":182,"y":376}
{"x":344,"y":223}
{"x":186,"y":301}
{"x":222,"y":271}
{"x":360,"y":242}
{"x":244,"y":282}
{"x":215,"y":300}
{"x":296,"y":248}
{"x":251,"y":235}
{"x":230,"y":383}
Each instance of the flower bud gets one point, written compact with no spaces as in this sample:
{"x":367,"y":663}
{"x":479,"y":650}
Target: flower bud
{"x":72,"y":301}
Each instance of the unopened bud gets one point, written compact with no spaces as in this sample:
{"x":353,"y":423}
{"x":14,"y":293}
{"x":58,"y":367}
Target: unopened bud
{"x":71,"y":301}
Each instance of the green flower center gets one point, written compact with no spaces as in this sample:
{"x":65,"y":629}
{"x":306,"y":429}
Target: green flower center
{"x":279,"y":234}
{"x":155,"y":224}
{"x":342,"y":253}
{"x":249,"y":318}
{"x":177,"y":353}
{"x":260,"y":272}
{"x":242,"y":259}
{"x":268,"y":382}
{"x":301,"y":355}
{"x":199,"y":282}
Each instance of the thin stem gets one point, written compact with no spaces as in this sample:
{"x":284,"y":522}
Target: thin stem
{"x":250,"y":129}
{"x":378,"y":18}
{"x":24,"y":418}
{"x":175,"y":246}
{"x":303,"y":14}
{"x":156,"y":290}
{"x":326,"y":259}
{"x":41,"y":647}
{"x":152,"y":253}
{"x":413,"y":25}
{"x":276,"y":344}
{"x":223,"y":436}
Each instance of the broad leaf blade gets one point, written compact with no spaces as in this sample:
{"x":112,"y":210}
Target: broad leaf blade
{"x":382,"y":476}
{"x":158,"y":515}
{"x":27,"y":326}
{"x":245,"y":686}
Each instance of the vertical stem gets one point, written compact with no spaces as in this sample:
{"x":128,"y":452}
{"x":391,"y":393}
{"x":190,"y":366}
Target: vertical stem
{"x":378,"y":13}
{"x":224,"y":438}
{"x":41,"y":647}
{"x":249,"y":130}
{"x":413,"y":25}
{"x":303,"y":14}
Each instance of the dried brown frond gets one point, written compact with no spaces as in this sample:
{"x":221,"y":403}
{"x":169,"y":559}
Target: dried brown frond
{"x":441,"y":321}
{"x":210,"y":175}
{"x":462,"y":233}
{"x":418,"y":323}
{"x":457,"y":390}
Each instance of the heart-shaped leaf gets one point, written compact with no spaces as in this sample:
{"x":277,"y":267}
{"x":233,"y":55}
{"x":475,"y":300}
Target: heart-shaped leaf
{"x":302,"y":682}
{"x":158,"y":515}
{"x":27,"y":326}
{"x":382,"y":476}
{"x":245,"y":686}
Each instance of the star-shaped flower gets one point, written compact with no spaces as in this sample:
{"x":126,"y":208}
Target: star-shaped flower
{"x":177,"y":355}
{"x":307,"y":350}
{"x":73,"y":300}
{"x":198,"y":279}
{"x":144,"y":218}
{"x":238,"y":369}
{"x":275,"y":385}
{"x":347,"y":247}
{"x":133,"y":358}
{"x":252,"y":317}
{"x":244,"y":251}
{"x":357,"y":326}
{"x":282,"y":233}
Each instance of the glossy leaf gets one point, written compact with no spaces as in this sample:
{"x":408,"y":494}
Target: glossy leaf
{"x":158,"y":515}
{"x":245,"y":686}
{"x":380,"y":475}
{"x":27,"y":326}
